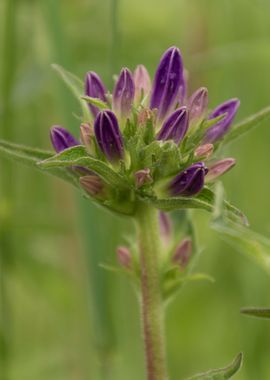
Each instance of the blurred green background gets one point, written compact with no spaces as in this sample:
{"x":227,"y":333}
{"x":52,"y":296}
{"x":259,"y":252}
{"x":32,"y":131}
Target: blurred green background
{"x":63,"y":316}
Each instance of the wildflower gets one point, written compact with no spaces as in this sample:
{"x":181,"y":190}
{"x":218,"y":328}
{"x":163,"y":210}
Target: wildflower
{"x":123,"y":94}
{"x":96,"y":89}
{"x":219,"y":168}
{"x":175,"y":126}
{"x":167,"y":82}
{"x":62,"y":139}
{"x":92,"y":184}
{"x":204,"y":151}
{"x":217,"y":131}
{"x":190,"y":181}
{"x":108,"y":135}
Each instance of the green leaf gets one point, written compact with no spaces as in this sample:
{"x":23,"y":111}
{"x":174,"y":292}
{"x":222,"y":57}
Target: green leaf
{"x":31,"y":157}
{"x":95,"y":102}
{"x":205,"y":200}
{"x":222,"y":373}
{"x":78,"y":156}
{"x":256,"y":312}
{"x":240,"y":237}
{"x":246,"y":125}
{"x":76,"y":86}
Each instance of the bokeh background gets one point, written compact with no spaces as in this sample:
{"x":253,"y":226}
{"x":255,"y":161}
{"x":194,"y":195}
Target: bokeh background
{"x":63,"y":316}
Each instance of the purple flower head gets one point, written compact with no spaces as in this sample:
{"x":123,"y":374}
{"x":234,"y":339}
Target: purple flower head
{"x":108,"y":135}
{"x":190,"y":181}
{"x":168,"y":80}
{"x":217,"y":131}
{"x":142,"y":82}
{"x":198,"y":103}
{"x":175,"y":126}
{"x":61,"y":139}
{"x":94,"y":88}
{"x":123,"y":93}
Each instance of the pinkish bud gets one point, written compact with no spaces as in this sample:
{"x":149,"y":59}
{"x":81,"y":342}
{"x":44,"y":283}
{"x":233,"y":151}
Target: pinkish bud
{"x":86,"y":135}
{"x":219,"y":168}
{"x":198,"y":103}
{"x":142,"y":83}
{"x":165,"y":225}
{"x":183,"y":253}
{"x":92,"y":184}
{"x":142,"y":177}
{"x":124,"y":257}
{"x":204,"y":151}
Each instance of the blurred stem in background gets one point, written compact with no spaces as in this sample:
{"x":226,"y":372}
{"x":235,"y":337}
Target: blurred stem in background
{"x":7,"y":177}
{"x":97,"y":242}
{"x":115,"y":38}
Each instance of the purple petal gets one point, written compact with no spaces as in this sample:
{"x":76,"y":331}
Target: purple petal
{"x":175,"y":126}
{"x":108,"y":135}
{"x":217,"y":131}
{"x":190,"y":181}
{"x":96,"y":89}
{"x":219,"y":168}
{"x":61,"y":139}
{"x":123,"y":93}
{"x":167,"y":82}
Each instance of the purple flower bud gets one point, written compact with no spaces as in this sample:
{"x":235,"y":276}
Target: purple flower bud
{"x":219,"y":168}
{"x":142,"y":177}
{"x":124,"y":257}
{"x":108,"y":135}
{"x":167,"y":82}
{"x":96,"y":89}
{"x":198,"y":103}
{"x":61,"y":138}
{"x":217,"y":131}
{"x":92,"y":184}
{"x":142,"y":82}
{"x":175,"y":126}
{"x":182,"y":253}
{"x":123,"y":93}
{"x":165,"y":224}
{"x":190,"y":181}
{"x":204,"y":151}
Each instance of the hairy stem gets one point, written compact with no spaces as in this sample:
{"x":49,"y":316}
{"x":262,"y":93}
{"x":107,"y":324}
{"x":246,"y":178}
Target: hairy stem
{"x":151,"y":303}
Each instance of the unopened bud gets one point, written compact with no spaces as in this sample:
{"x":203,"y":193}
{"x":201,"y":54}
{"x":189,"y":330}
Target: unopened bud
{"x":86,"y":135}
{"x":165,"y":227}
{"x":142,"y":83}
{"x":92,"y":184}
{"x":124,"y":257}
{"x":183,"y":253}
{"x":198,"y":103}
{"x":204,"y":151}
{"x":219,"y":168}
{"x":142,"y":177}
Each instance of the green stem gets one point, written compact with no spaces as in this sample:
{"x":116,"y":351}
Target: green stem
{"x":151,"y":302}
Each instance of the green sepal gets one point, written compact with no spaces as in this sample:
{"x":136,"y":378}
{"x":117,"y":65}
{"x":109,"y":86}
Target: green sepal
{"x":222,"y":373}
{"x":95,"y":102}
{"x":76,"y":86}
{"x":78,"y":156}
{"x":244,"y":240}
{"x":31,"y":157}
{"x":256,"y":312}
{"x":246,"y":125}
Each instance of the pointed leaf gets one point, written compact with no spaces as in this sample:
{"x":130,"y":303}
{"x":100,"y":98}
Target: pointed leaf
{"x":95,"y":102}
{"x":246,"y":125}
{"x":223,"y":373}
{"x":78,"y":156}
{"x":31,"y":156}
{"x":256,"y":312}
{"x":76,"y":86}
